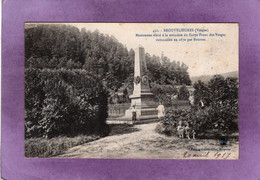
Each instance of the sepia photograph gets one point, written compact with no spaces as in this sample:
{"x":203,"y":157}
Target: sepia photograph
{"x":131,"y":90}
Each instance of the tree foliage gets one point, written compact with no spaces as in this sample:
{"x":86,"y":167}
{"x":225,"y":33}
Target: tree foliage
{"x":70,"y":73}
{"x":163,"y":93}
{"x":183,"y":93}
{"x":219,"y":115}
{"x":64,"y":46}
{"x":64,"y":102}
{"x":165,"y":72}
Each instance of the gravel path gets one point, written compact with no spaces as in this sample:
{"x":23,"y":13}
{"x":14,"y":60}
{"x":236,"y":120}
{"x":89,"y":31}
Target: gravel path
{"x":147,"y":144}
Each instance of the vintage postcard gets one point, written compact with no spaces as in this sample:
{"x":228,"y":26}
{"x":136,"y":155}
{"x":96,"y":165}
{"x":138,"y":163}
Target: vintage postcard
{"x":131,"y":90}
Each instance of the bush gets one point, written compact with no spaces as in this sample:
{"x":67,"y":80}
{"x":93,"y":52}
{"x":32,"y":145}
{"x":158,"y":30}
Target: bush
{"x":171,"y":120}
{"x":64,"y":102}
{"x":211,"y":122}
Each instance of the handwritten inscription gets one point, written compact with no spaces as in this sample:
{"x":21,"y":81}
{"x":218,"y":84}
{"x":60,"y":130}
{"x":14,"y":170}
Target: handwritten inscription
{"x":208,"y":154}
{"x":222,"y":155}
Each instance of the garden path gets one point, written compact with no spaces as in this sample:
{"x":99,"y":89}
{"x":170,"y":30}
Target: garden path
{"x":145,"y":143}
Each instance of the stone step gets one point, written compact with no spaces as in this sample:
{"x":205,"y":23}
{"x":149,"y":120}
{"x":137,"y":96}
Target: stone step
{"x":127,"y":121}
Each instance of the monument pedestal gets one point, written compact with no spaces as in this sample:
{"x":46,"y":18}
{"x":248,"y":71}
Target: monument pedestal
{"x":142,"y":100}
{"x":144,"y":106}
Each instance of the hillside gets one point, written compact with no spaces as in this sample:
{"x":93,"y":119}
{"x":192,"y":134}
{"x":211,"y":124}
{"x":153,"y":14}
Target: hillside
{"x":56,"y":46}
{"x":206,"y":78}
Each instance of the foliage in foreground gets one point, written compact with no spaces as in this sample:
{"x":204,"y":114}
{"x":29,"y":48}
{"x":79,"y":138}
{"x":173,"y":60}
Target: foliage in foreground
{"x":42,"y":148}
{"x":64,"y":102}
{"x":217,"y":116}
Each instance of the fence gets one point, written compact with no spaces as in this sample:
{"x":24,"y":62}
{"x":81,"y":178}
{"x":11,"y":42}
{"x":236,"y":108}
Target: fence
{"x":117,"y":110}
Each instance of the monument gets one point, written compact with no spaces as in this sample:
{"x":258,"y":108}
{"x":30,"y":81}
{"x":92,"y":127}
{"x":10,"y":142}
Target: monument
{"x":142,"y":100}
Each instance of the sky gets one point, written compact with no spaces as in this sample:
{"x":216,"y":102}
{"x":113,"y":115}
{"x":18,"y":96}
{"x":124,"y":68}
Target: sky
{"x":214,"y":55}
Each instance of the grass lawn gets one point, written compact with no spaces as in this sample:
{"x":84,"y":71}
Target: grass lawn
{"x":43,"y":148}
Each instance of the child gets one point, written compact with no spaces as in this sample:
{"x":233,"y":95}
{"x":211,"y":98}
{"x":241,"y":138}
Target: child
{"x":187,"y":131}
{"x":134,"y":114}
{"x":193,"y":134}
{"x":180,"y":131}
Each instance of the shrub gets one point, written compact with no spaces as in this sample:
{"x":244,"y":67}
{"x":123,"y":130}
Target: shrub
{"x":172,"y":118}
{"x":159,"y":128}
{"x":64,"y":102}
{"x":212,"y":122}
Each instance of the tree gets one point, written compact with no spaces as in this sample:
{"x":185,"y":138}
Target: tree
{"x":163,"y":93}
{"x":201,"y":93}
{"x":183,"y":93}
{"x":65,"y":46}
{"x":64,"y":102}
{"x":218,"y":88}
{"x":220,"y":97}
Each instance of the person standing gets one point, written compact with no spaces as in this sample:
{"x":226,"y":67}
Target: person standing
{"x":134,"y":114}
{"x":187,"y":131}
{"x":201,"y":104}
{"x":180,"y":131}
{"x":161,"y":111}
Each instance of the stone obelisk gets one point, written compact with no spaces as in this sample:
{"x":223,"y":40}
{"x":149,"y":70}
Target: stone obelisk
{"x":142,"y":100}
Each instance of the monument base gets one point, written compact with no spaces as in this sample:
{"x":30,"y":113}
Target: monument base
{"x":126,"y":121}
